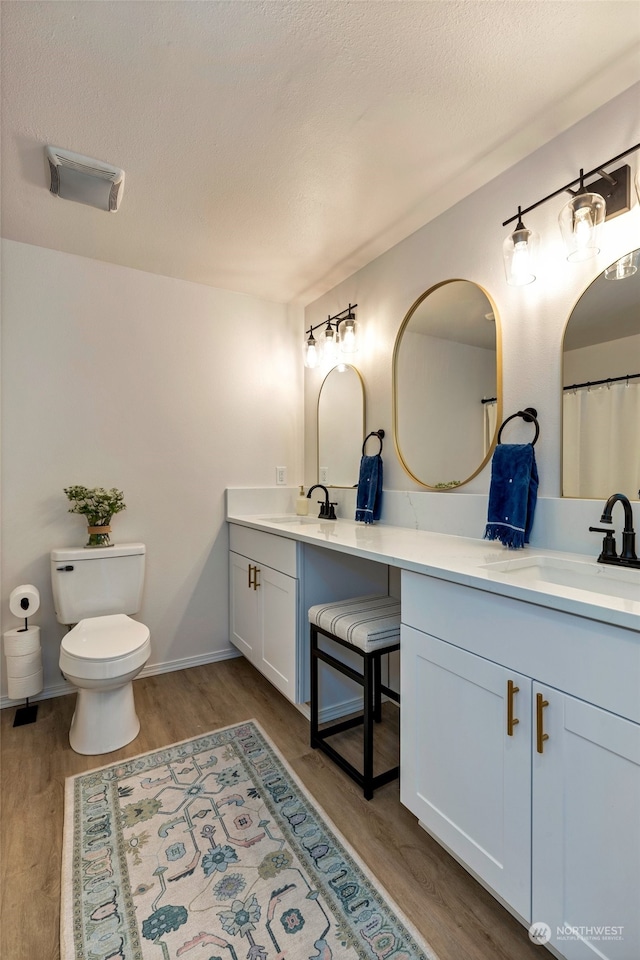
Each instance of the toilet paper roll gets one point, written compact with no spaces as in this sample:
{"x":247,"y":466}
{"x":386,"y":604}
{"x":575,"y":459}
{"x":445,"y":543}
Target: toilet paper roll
{"x":24,"y":601}
{"x":19,"y":642}
{"x":24,"y":666}
{"x":20,"y":687}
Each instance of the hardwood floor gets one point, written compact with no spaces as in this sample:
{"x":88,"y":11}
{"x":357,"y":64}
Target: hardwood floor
{"x":454,"y":913}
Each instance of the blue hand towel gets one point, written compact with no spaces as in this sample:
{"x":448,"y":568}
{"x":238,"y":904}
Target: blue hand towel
{"x":369,"y":496}
{"x":513,"y":494}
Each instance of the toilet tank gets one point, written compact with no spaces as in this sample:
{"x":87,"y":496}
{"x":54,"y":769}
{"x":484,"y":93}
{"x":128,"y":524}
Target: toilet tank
{"x":97,"y":581}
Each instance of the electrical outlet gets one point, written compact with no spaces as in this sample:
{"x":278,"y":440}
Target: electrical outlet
{"x":323,"y":474}
{"x":281,"y":476}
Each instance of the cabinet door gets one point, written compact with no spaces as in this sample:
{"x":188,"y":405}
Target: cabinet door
{"x":278,"y":596}
{"x":586,"y":829}
{"x":466,"y":779}
{"x":245,"y":633}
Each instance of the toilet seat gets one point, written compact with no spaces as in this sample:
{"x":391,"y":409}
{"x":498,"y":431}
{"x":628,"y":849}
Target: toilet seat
{"x":104,"y":647}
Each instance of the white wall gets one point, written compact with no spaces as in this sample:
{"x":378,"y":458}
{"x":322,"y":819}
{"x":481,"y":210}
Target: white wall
{"x":168,"y":390}
{"x":616,"y":358}
{"x":466,"y":242}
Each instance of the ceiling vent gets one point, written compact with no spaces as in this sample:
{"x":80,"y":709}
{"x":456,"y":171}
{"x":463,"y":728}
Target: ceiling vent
{"x":74,"y":177}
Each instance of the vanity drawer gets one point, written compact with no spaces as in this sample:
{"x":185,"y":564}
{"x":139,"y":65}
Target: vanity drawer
{"x":589,"y":659}
{"x":273,"y":551}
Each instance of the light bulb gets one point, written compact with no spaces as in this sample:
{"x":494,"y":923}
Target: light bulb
{"x":583,"y":227}
{"x":519,"y":253}
{"x":580,"y":224}
{"x":329,"y":346}
{"x":520,"y":266}
{"x":348,"y":343}
{"x":311,"y":356}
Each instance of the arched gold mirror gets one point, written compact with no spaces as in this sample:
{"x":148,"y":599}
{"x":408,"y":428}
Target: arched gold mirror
{"x":601,"y":386}
{"x":447,"y":402}
{"x":341,"y":419}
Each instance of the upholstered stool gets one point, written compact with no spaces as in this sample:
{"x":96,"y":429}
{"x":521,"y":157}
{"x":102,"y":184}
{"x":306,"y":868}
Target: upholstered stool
{"x":370,"y":627}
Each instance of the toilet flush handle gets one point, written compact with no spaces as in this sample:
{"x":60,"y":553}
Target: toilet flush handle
{"x":67,"y":569}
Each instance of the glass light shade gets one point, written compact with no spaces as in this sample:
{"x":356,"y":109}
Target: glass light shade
{"x":348,"y":338}
{"x":624,"y":267}
{"x":329,"y":344}
{"x":580,"y":224}
{"x":519,"y":252}
{"x":311,"y":353}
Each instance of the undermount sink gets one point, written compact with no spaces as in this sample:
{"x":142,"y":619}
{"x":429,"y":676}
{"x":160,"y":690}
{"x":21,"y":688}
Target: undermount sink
{"x":595,"y":578}
{"x":293,"y":519}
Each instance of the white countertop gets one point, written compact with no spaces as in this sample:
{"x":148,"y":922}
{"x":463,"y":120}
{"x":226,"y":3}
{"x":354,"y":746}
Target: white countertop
{"x":458,"y":559}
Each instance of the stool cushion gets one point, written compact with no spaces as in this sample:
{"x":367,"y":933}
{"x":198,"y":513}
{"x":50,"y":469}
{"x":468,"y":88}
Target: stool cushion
{"x":369,"y":623}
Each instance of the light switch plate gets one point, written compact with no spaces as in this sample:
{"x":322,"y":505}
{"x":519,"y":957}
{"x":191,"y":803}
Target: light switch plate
{"x":281,"y":476}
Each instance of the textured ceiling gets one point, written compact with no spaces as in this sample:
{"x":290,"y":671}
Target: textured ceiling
{"x":275,"y":147}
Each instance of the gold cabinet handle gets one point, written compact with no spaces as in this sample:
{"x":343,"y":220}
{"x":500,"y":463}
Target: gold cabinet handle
{"x":251,"y":582}
{"x":541,"y":736}
{"x":512,"y":689}
{"x":256,"y":582}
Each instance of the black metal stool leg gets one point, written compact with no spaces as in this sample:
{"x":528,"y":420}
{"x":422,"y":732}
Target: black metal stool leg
{"x":369,"y":711}
{"x":314,"y":687}
{"x":378,"y":687}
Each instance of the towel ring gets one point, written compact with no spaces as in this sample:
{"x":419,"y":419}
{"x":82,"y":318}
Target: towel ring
{"x":374,"y":433}
{"x":529,"y":415}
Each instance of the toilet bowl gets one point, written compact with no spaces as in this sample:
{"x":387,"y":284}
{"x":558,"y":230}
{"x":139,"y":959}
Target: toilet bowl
{"x":101,"y":656}
{"x":95,"y":590}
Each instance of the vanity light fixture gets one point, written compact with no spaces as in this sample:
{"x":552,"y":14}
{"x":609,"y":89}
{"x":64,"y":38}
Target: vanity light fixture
{"x":580,"y":223}
{"x":311,"y":352}
{"x":519,"y":250}
{"x":580,"y":219}
{"x":330,"y":343}
{"x":338,"y":338}
{"x":347,"y":331}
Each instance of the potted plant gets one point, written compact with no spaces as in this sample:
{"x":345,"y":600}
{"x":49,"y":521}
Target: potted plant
{"x":98,"y":506}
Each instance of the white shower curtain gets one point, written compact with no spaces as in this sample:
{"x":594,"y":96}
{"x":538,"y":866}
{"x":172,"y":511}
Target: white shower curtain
{"x":601,"y":441}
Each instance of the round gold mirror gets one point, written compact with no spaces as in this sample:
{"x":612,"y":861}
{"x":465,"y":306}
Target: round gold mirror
{"x":447,"y":402}
{"x":601,"y":386}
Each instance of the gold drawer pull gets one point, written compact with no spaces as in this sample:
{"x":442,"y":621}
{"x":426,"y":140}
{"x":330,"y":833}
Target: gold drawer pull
{"x":512,"y":689}
{"x":541,"y":703}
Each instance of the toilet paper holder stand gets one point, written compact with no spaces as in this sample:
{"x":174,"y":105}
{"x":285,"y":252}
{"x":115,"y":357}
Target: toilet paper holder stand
{"x":21,"y":605}
{"x":26,"y":714}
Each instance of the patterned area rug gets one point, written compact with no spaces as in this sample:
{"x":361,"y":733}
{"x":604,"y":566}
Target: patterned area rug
{"x":211,"y":849}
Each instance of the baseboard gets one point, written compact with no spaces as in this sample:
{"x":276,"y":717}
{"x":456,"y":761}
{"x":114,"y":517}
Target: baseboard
{"x":170,"y":665}
{"x":335,"y":712}
{"x":62,"y":688}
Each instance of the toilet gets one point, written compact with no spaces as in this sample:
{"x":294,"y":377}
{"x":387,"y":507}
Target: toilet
{"x":94,"y":591}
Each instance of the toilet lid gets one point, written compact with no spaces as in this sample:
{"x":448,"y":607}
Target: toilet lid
{"x":104,"y":638}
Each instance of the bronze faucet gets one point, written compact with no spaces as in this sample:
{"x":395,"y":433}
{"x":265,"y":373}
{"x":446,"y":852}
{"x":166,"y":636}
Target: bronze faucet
{"x":627,"y":558}
{"x":326,"y":508}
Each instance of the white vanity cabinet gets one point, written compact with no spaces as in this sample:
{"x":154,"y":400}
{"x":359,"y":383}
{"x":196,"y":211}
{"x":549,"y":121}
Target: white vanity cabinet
{"x":273,"y":580}
{"x":586,"y":829}
{"x":520,"y":741}
{"x":264,"y":604}
{"x":468,"y":783}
